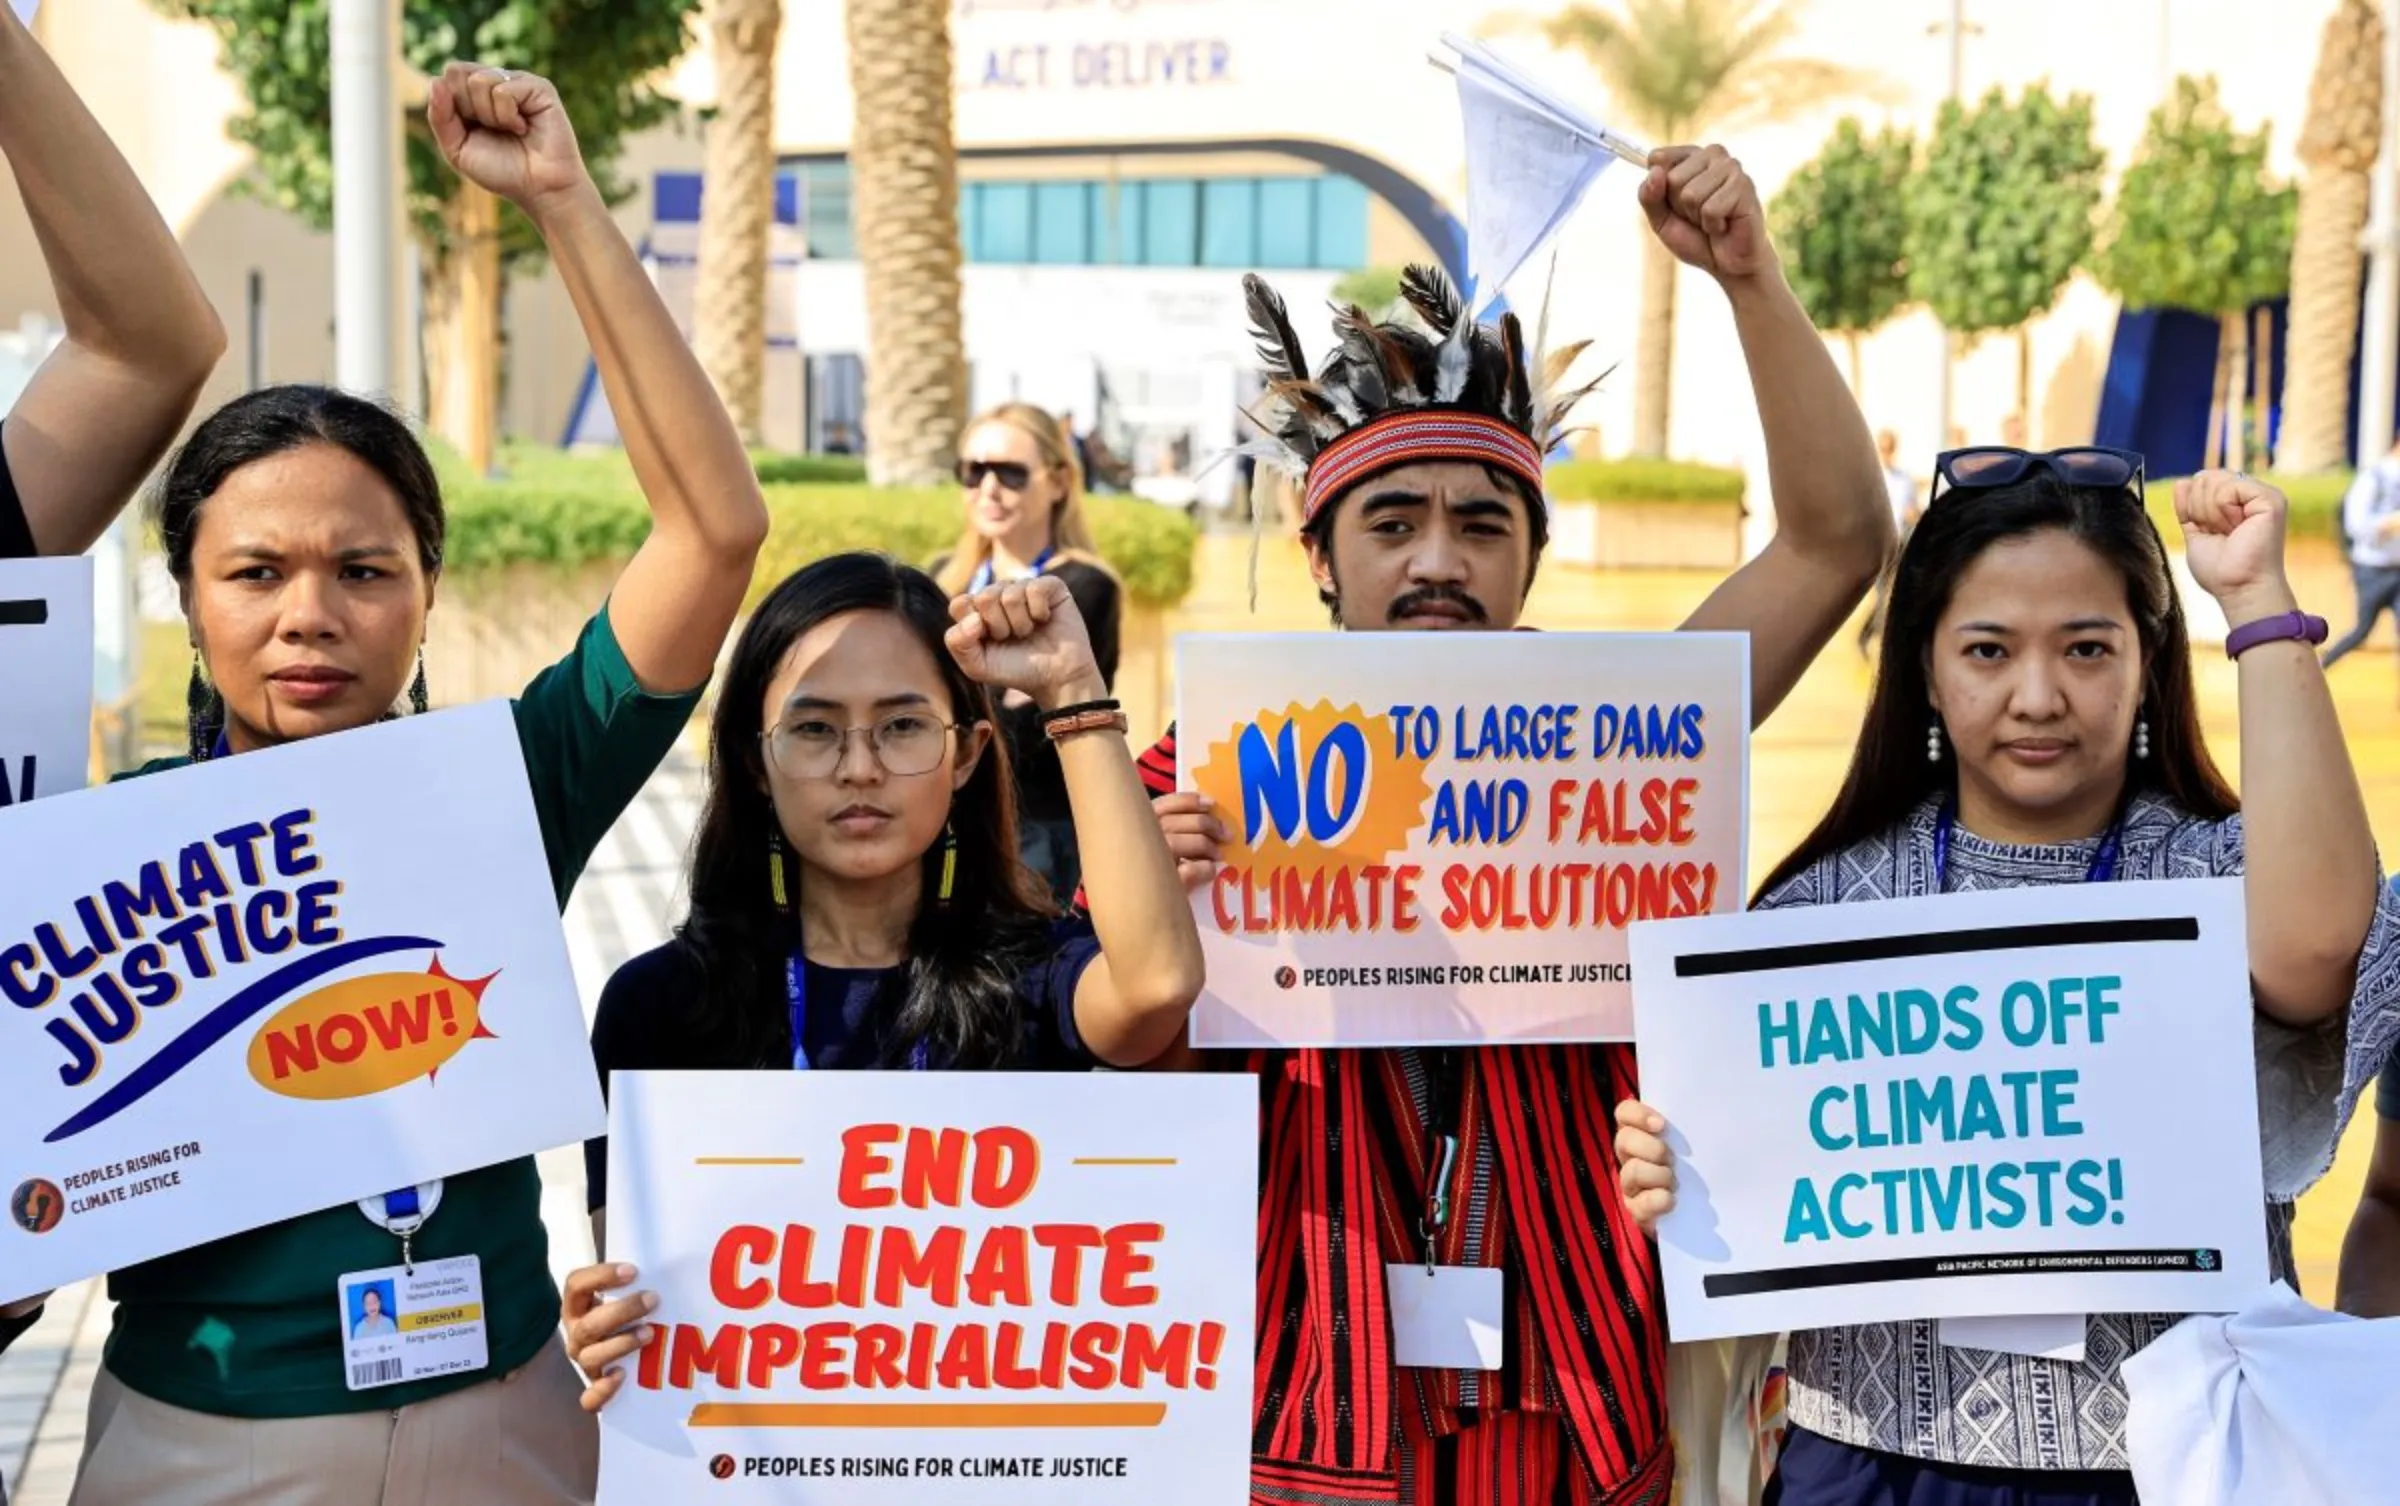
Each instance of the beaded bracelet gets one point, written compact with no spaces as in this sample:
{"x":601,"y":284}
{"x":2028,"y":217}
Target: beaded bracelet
{"x":1061,"y":726}
{"x":1065,"y":713}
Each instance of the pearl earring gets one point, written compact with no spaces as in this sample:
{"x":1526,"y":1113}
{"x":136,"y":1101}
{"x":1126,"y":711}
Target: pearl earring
{"x":1933,"y":742}
{"x":2141,"y":737}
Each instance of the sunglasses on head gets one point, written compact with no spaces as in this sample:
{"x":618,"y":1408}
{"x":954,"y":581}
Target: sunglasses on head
{"x":1983,"y":467}
{"x":1011,"y":475}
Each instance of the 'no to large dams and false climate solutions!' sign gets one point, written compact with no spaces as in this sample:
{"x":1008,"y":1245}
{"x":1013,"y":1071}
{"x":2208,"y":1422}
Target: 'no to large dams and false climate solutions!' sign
{"x":1441,"y":838}
{"x":276,"y":983}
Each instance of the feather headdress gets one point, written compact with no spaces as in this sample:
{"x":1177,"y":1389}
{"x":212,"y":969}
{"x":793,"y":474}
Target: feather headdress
{"x":1441,"y":360}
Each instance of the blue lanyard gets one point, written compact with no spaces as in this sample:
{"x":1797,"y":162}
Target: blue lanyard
{"x":2104,"y":861}
{"x":984,"y":575}
{"x":795,"y":989}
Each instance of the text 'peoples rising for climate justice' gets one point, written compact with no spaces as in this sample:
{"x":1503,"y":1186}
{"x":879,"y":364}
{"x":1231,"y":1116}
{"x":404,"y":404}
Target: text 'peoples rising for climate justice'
{"x":1288,"y":798}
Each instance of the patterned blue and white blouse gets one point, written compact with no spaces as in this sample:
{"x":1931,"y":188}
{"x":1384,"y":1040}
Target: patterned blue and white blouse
{"x":1894,"y":1386}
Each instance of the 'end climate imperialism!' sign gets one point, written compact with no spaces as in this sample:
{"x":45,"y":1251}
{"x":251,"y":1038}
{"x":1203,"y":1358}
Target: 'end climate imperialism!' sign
{"x":1442,"y":838}
{"x":273,"y":984}
{"x":2021,"y":1102}
{"x":923,"y":1287}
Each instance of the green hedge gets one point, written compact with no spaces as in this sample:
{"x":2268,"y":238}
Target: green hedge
{"x":1642,"y":481}
{"x":2316,"y":505}
{"x":558,"y":509}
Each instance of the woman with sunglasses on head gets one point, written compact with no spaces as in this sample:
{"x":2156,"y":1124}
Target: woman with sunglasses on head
{"x":304,"y":527}
{"x":857,"y":899}
{"x":1024,"y":501}
{"x":2034,"y":722}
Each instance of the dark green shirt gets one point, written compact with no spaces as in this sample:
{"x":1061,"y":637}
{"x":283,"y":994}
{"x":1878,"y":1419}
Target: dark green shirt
{"x":250,"y":1326}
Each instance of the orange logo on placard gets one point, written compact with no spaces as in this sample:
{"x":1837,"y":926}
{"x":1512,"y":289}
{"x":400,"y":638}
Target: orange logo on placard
{"x":1315,"y":787}
{"x":364,"y":1035}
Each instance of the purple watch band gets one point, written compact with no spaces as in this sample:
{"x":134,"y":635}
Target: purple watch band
{"x":2275,"y":630}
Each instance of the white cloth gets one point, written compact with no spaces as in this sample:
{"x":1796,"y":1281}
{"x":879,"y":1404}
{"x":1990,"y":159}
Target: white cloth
{"x":1531,"y":157}
{"x":2281,"y":1404}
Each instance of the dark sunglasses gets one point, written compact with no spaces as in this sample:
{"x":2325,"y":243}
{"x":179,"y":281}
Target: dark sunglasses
{"x":1012,"y":475}
{"x":1984,"y":467}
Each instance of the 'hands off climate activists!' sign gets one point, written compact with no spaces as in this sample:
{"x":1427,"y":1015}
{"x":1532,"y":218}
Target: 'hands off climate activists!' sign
{"x":272,"y":984}
{"x":45,"y":678}
{"x":2021,"y":1102}
{"x":1440,"y":838}
{"x":918,"y":1287}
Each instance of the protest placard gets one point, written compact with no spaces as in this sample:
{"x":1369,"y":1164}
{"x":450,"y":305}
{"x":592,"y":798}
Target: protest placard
{"x":2019,"y":1102}
{"x":925,"y":1287}
{"x":45,"y":677}
{"x":275,"y":983}
{"x":1440,"y":838}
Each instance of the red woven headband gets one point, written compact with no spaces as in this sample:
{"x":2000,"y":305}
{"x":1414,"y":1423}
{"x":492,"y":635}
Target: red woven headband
{"x":1414,"y":434}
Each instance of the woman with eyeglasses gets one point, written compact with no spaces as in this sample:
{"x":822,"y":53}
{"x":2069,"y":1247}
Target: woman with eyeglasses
{"x":857,"y":899}
{"x":2034,"y":722}
{"x":1024,"y":501}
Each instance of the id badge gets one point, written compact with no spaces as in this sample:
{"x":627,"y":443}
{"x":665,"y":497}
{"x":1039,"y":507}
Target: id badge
{"x":401,"y":1324}
{"x":1446,"y":1318}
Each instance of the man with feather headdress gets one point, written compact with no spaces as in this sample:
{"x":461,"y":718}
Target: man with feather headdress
{"x":1418,"y":450}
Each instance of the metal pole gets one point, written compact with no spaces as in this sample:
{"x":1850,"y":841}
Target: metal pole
{"x":366,"y":193}
{"x":2379,"y":351}
{"x":1958,"y":68}
{"x":256,"y":324}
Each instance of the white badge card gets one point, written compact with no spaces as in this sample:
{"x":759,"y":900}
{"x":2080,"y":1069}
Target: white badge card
{"x":413,"y":1323}
{"x":1446,"y":1317}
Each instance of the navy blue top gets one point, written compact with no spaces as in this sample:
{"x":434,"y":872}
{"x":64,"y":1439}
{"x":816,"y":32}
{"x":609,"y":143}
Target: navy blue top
{"x":645,"y":1015}
{"x":16,"y":533}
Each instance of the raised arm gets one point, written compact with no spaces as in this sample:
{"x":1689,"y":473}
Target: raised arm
{"x":141,"y":338}
{"x":1833,"y":517}
{"x":677,"y":597}
{"x":2308,"y":853}
{"x":1131,"y":1004}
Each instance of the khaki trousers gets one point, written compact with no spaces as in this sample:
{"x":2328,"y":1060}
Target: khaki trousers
{"x":519,"y":1440}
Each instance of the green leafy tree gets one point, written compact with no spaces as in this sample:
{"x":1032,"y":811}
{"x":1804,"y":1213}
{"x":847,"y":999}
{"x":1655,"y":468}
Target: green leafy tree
{"x":2000,"y":216}
{"x":605,"y":58}
{"x":2198,"y":224}
{"x":1374,"y":289}
{"x":1843,"y":230}
{"x":1675,"y":70}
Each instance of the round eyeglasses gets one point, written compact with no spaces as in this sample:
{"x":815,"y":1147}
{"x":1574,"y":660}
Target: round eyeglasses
{"x":906,"y":744}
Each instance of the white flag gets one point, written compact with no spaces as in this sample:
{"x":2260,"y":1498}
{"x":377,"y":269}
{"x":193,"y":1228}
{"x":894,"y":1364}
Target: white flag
{"x":1531,"y":157}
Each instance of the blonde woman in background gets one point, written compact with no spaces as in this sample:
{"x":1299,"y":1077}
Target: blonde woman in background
{"x":1024,"y":506}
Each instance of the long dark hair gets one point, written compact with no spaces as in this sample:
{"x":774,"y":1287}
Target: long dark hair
{"x":1889,"y":773}
{"x":958,"y":992}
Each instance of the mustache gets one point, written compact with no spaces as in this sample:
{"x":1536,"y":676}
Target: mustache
{"x":1425,"y":596}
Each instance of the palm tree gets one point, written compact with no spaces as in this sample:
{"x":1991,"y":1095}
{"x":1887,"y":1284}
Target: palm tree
{"x":2337,"y":148}
{"x":730,"y":330}
{"x":1673,"y":69}
{"x":904,"y":186}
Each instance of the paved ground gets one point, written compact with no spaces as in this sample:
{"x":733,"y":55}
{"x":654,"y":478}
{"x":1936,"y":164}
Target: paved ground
{"x":633,"y":890}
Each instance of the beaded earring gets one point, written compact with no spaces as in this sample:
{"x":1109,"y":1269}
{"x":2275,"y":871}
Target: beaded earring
{"x":2141,"y":737}
{"x":204,"y":712}
{"x":949,"y":863}
{"x":1933,"y":742}
{"x":418,"y":700}
{"x":783,"y":899}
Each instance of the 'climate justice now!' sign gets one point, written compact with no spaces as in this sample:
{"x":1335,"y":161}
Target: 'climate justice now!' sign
{"x":1441,"y":838}
{"x":925,"y":1287}
{"x":45,"y":677}
{"x":2026,"y":1101}
{"x":273,"y":984}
